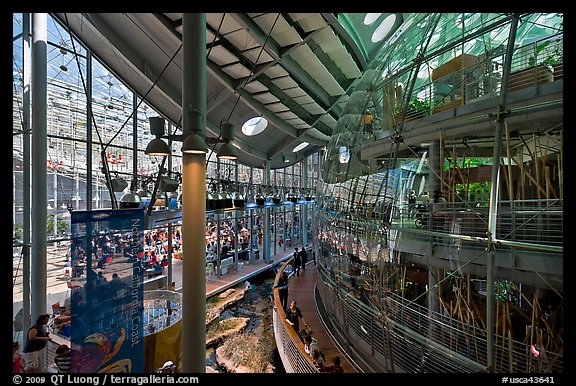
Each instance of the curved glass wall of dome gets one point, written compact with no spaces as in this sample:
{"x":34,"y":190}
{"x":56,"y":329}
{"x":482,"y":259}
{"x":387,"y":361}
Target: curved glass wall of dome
{"x":421,"y":118}
{"x":370,"y":30}
{"x":254,"y":126}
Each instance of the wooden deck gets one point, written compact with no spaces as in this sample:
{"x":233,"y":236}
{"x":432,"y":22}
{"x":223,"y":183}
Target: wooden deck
{"x":301,"y":289}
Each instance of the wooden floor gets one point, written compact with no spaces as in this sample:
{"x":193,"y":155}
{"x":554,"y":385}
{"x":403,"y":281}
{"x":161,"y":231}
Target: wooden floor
{"x":301,"y":289}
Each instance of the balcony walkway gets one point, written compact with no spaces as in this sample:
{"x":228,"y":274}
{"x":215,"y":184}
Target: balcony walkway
{"x":301,"y":289}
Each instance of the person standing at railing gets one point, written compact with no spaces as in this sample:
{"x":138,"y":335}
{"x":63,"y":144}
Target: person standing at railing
{"x":297,"y":261}
{"x":36,"y":340}
{"x":282,"y":286}
{"x":412,"y":202}
{"x":293,"y":316}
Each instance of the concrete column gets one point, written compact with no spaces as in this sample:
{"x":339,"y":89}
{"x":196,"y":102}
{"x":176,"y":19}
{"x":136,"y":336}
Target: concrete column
{"x":193,"y":197}
{"x":39,"y":139}
{"x":26,"y":60}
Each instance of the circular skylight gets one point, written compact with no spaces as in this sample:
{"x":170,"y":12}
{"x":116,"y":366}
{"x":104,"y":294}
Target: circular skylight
{"x":371,"y":18}
{"x":254,"y":126}
{"x":384,"y":28}
{"x":300,"y":147}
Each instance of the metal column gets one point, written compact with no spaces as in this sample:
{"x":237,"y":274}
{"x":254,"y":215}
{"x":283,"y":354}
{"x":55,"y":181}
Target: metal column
{"x":193,"y":197}
{"x":38,"y":278}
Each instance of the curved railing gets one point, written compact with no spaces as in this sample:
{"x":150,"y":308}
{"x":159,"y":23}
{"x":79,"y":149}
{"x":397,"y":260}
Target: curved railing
{"x":162,"y":308}
{"x":290,"y":347}
{"x":412,"y":338}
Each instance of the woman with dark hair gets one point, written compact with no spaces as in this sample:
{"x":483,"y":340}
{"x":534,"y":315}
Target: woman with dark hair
{"x":36,"y":340}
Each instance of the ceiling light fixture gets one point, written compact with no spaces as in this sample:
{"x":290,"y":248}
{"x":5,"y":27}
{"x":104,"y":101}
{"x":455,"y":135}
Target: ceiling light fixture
{"x":194,"y":144}
{"x":227,"y":150}
{"x":157,"y":146}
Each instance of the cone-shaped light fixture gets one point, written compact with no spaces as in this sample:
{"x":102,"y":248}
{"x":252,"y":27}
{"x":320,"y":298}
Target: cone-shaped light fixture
{"x":157,"y":146}
{"x":227,"y":151}
{"x":194,"y":144}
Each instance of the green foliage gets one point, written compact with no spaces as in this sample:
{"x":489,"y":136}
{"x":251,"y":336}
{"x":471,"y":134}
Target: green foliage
{"x":61,"y":226}
{"x":19,"y":231}
{"x":418,"y":107}
{"x":551,"y":56}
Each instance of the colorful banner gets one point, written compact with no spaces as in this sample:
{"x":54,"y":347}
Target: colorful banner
{"x":107,"y":286}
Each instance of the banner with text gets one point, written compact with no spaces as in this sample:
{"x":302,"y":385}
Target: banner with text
{"x":106,"y":300}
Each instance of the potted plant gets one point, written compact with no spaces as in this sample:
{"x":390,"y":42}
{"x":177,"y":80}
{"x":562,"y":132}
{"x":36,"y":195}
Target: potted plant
{"x":543,"y":63}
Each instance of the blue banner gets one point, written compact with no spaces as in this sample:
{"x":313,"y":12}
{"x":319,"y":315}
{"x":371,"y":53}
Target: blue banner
{"x":107,"y":291}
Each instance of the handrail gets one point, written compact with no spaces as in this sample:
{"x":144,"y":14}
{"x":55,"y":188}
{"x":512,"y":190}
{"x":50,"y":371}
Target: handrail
{"x":290,"y":347}
{"x":419,"y":337}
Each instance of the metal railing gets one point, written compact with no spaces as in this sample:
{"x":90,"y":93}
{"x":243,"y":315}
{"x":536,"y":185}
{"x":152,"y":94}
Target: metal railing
{"x":416,"y":339}
{"x":162,"y":309}
{"x":532,"y":65}
{"x":526,"y":224}
{"x":290,"y":347}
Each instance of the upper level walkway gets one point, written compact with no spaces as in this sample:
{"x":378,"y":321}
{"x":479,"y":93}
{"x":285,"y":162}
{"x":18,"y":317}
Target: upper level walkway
{"x":301,"y":288}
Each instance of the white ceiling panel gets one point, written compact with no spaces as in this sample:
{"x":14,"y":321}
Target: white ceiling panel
{"x":236,"y":70}
{"x":257,"y":54}
{"x":277,"y":107}
{"x":314,"y":108}
{"x":351,"y":71}
{"x":285,"y":82}
{"x":276,"y":71}
{"x":302,"y":52}
{"x":328,"y":120}
{"x":242,"y":40}
{"x":312,"y":22}
{"x":302,"y":126}
{"x":287,"y":115}
{"x":229,"y":24}
{"x":267,"y":20}
{"x":299,"y":16}
{"x":296,"y":121}
{"x":331,"y":45}
{"x":303,"y":100}
{"x":324,"y":35}
{"x":338,"y":54}
{"x":287,"y":38}
{"x":221,"y":56}
{"x":294,"y":92}
{"x":266,"y":98}
{"x":209,"y":37}
{"x":255,"y":86}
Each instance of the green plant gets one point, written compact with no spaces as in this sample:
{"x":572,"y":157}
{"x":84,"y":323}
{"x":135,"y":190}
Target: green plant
{"x":418,"y":107}
{"x":551,"y":55}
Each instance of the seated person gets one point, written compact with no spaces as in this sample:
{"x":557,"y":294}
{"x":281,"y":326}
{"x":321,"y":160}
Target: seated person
{"x":335,"y":368}
{"x":157,"y":268}
{"x":310,"y":344}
